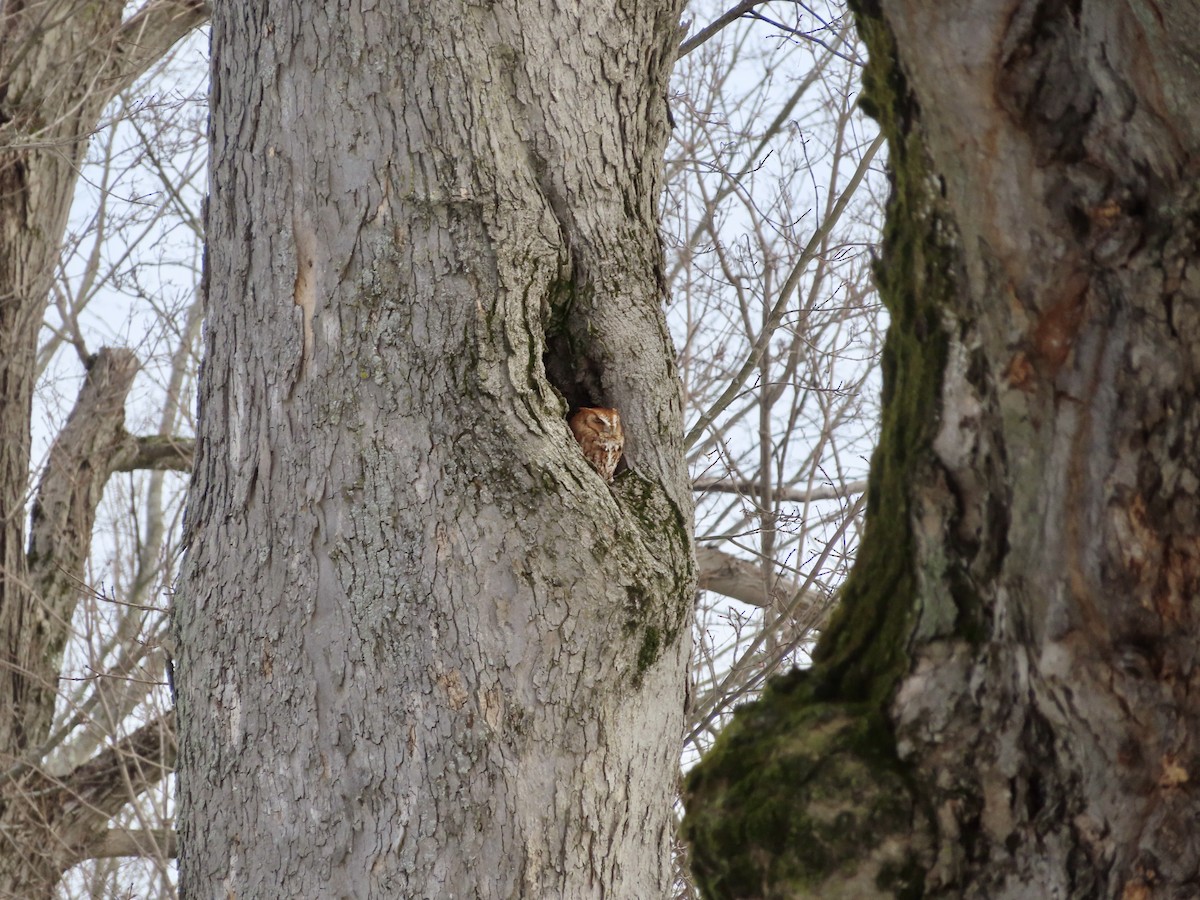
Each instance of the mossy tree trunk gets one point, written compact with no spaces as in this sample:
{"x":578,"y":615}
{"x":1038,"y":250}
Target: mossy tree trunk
{"x":1005,"y":706}
{"x":424,"y":649}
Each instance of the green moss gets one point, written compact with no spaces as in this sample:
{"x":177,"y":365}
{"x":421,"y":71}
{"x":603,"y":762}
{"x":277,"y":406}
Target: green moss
{"x":794,"y":795}
{"x":658,"y":597}
{"x":660,"y":521}
{"x":864,"y":650}
{"x":903,"y":880}
{"x":648,"y":653}
{"x":560,"y":301}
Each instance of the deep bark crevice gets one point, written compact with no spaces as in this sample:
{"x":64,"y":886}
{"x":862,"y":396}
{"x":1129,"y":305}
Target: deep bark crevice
{"x":574,"y":368}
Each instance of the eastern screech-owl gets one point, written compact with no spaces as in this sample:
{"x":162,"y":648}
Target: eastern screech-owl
{"x":598,"y":430}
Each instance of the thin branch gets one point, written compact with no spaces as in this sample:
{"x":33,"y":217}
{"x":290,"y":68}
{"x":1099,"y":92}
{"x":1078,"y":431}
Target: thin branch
{"x":741,"y":488}
{"x":98,"y":783}
{"x":735,"y":683}
{"x":727,"y":18}
{"x":739,"y":579}
{"x":785,"y":295}
{"x":111,"y":779}
{"x":804,"y":35}
{"x":61,"y":521}
{"x":148,"y":34}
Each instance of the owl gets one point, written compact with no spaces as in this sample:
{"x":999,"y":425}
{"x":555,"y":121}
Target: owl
{"x":598,"y":430}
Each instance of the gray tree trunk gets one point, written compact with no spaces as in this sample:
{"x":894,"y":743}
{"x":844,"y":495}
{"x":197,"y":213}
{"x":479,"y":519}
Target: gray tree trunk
{"x":424,"y":650}
{"x":1005,"y":706}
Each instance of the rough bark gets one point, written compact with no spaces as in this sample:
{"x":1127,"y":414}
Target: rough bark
{"x":1004,"y":707}
{"x":424,"y":650}
{"x":60,"y":64}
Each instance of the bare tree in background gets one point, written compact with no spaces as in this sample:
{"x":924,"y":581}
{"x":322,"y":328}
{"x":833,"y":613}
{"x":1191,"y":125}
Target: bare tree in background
{"x":769,"y":208}
{"x":140,"y":193}
{"x":760,"y":180}
{"x":61,"y":64}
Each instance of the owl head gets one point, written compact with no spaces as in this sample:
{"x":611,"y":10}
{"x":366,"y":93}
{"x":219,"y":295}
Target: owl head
{"x":601,"y":437}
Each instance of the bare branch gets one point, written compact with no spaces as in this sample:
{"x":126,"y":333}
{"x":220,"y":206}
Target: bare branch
{"x":148,"y":34}
{"x":76,"y":472}
{"x":828,"y":492}
{"x":737,"y":578}
{"x":785,"y":294}
{"x":729,"y":16}
{"x":106,"y":782}
{"x":156,"y":842}
{"x":808,"y":36}
{"x":64,"y":511}
{"x":75,"y":810}
{"x":160,"y":454}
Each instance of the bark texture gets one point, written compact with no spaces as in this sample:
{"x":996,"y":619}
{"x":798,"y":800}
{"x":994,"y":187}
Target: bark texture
{"x":60,"y":65}
{"x":1005,"y":706}
{"x":424,"y":650}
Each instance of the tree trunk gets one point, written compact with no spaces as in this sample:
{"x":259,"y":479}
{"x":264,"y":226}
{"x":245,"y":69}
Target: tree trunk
{"x":424,"y":649}
{"x":1003,"y":707}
